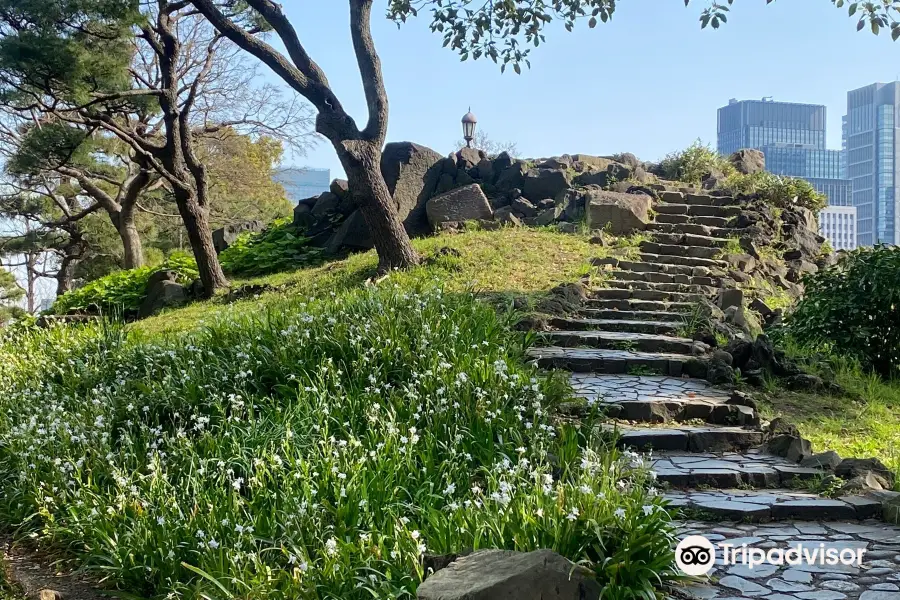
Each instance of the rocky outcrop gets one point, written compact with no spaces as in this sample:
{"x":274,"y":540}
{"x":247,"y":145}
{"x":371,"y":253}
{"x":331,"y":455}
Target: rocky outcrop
{"x":748,"y":161}
{"x":224,"y":237}
{"x":163,"y":291}
{"x":460,"y":205}
{"x":412,"y":173}
{"x":622,"y":214}
{"x":502,"y":574}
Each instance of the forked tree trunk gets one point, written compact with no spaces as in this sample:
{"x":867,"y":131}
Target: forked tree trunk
{"x":363,"y":168}
{"x":196,"y":222}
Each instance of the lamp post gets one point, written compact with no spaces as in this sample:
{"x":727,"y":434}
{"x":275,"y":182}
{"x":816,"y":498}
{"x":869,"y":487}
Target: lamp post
{"x":469,"y":122}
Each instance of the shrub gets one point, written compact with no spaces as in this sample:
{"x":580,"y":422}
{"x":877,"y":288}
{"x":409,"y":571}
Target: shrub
{"x":779,"y":191}
{"x":317,"y":450}
{"x":280,"y":247}
{"x":694,"y":163}
{"x":123,"y":291}
{"x":853,"y":309}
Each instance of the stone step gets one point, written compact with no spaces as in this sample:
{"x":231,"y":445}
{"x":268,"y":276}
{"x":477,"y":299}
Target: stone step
{"x":689,"y":239}
{"x":654,"y":277}
{"x":693,"y":441}
{"x":774,"y":505}
{"x":709,"y":462}
{"x":595,"y":360}
{"x":658,"y":267}
{"x":652,"y":295}
{"x":682,"y":288}
{"x":637,"y":326}
{"x":685,"y":261}
{"x":697,"y":210}
{"x":696,"y":199}
{"x":624,"y":340}
{"x":674,"y":319}
{"x":632,"y":305}
{"x":690,"y":219}
{"x":722,"y":233}
{"x":681,"y":250}
{"x":658,"y":399}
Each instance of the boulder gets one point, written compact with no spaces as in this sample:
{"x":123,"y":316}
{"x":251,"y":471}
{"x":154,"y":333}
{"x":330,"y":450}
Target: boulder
{"x":890,"y":504}
{"x":793,"y":448}
{"x":412,"y":173}
{"x":340,"y":188}
{"x":226,"y":236}
{"x":544,"y":183}
{"x":462,"y":204}
{"x":729,"y":297}
{"x":623,"y":213}
{"x":748,"y":161}
{"x":507,"y":575}
{"x":467,"y":157}
{"x":823,"y":460}
{"x":163,"y":291}
{"x":863,"y":483}
{"x":597,"y":163}
{"x":854,"y":467}
{"x":512,"y":177}
{"x":502,"y":162}
{"x":326,"y":204}
{"x":353,"y":233}
{"x":505,"y":216}
{"x":523,"y":207}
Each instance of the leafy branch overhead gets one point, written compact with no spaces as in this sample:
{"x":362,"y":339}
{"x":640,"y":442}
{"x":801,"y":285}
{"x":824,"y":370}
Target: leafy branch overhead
{"x":505,"y":30}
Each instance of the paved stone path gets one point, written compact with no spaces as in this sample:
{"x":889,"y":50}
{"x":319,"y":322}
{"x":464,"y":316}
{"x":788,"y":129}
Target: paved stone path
{"x":878,"y":579}
{"x":626,"y":354}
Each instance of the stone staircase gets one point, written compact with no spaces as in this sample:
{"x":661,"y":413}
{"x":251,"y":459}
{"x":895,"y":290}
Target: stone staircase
{"x":627,"y":351}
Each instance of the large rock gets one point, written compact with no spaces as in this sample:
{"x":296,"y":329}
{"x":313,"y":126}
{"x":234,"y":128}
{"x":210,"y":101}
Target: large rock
{"x":226,"y":236}
{"x":854,"y":467}
{"x":163,"y":291}
{"x":624,"y":213}
{"x":748,"y":161}
{"x":459,"y":205}
{"x":506,"y":575}
{"x":412,"y":173}
{"x":544,"y":183}
{"x":353,"y":233}
{"x":325,"y":205}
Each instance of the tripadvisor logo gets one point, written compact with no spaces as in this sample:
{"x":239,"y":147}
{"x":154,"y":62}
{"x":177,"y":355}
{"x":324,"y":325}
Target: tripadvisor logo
{"x":695,"y":555}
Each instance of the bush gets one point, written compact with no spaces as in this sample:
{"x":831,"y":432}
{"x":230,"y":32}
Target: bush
{"x":317,"y":450}
{"x":776,"y":190}
{"x":279,"y":248}
{"x":853,"y":309}
{"x":123,"y":291}
{"x":694,"y":163}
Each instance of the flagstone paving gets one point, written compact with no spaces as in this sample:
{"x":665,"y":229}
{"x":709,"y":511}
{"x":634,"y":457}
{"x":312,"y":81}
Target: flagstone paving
{"x":625,"y":354}
{"x":878,"y":578}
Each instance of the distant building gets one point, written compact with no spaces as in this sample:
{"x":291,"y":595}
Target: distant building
{"x":300,"y":183}
{"x":838,"y":224}
{"x":792,"y":137}
{"x":872,"y":141}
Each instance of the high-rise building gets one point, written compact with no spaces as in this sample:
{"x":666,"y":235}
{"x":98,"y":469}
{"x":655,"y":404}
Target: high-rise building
{"x":303,"y":182}
{"x":838,"y":225}
{"x":792,"y":137}
{"x":872,"y":141}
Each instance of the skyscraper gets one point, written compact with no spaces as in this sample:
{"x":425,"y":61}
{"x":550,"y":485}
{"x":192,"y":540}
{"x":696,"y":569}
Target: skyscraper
{"x":872,"y":140}
{"x":792,"y":136}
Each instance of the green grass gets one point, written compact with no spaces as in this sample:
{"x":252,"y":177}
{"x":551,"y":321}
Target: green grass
{"x":319,"y":441}
{"x":502,"y":264}
{"x":862,"y":422}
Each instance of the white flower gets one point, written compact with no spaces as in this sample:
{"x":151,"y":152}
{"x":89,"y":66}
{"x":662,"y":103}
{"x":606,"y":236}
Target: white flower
{"x":331,"y":546}
{"x":620,"y":513}
{"x":213,"y":544}
{"x":648,"y":510}
{"x":573,"y":514}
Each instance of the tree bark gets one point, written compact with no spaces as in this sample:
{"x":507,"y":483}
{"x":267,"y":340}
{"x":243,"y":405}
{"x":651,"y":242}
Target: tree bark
{"x":371,"y":194}
{"x":133,"y":248}
{"x":196,"y":222}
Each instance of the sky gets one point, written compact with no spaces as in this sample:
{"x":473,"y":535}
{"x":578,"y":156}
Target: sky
{"x":647,"y":82}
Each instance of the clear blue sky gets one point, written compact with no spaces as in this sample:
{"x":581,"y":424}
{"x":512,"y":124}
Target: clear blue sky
{"x":647,"y":82}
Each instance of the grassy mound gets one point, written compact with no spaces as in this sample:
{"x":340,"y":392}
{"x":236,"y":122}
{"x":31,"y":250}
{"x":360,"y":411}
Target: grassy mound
{"x":318,"y":446}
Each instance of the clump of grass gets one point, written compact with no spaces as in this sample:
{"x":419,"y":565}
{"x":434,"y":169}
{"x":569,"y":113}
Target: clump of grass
{"x":318,"y":447}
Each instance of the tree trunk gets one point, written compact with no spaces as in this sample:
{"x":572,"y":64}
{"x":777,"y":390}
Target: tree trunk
{"x":363,"y":167}
{"x":65,"y":276}
{"x":131,"y":242}
{"x":196,"y":222}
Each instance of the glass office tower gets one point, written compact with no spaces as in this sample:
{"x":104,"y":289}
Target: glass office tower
{"x":873,"y":160}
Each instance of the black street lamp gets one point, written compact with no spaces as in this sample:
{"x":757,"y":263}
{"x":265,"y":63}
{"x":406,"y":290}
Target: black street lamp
{"x":469,"y":122}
